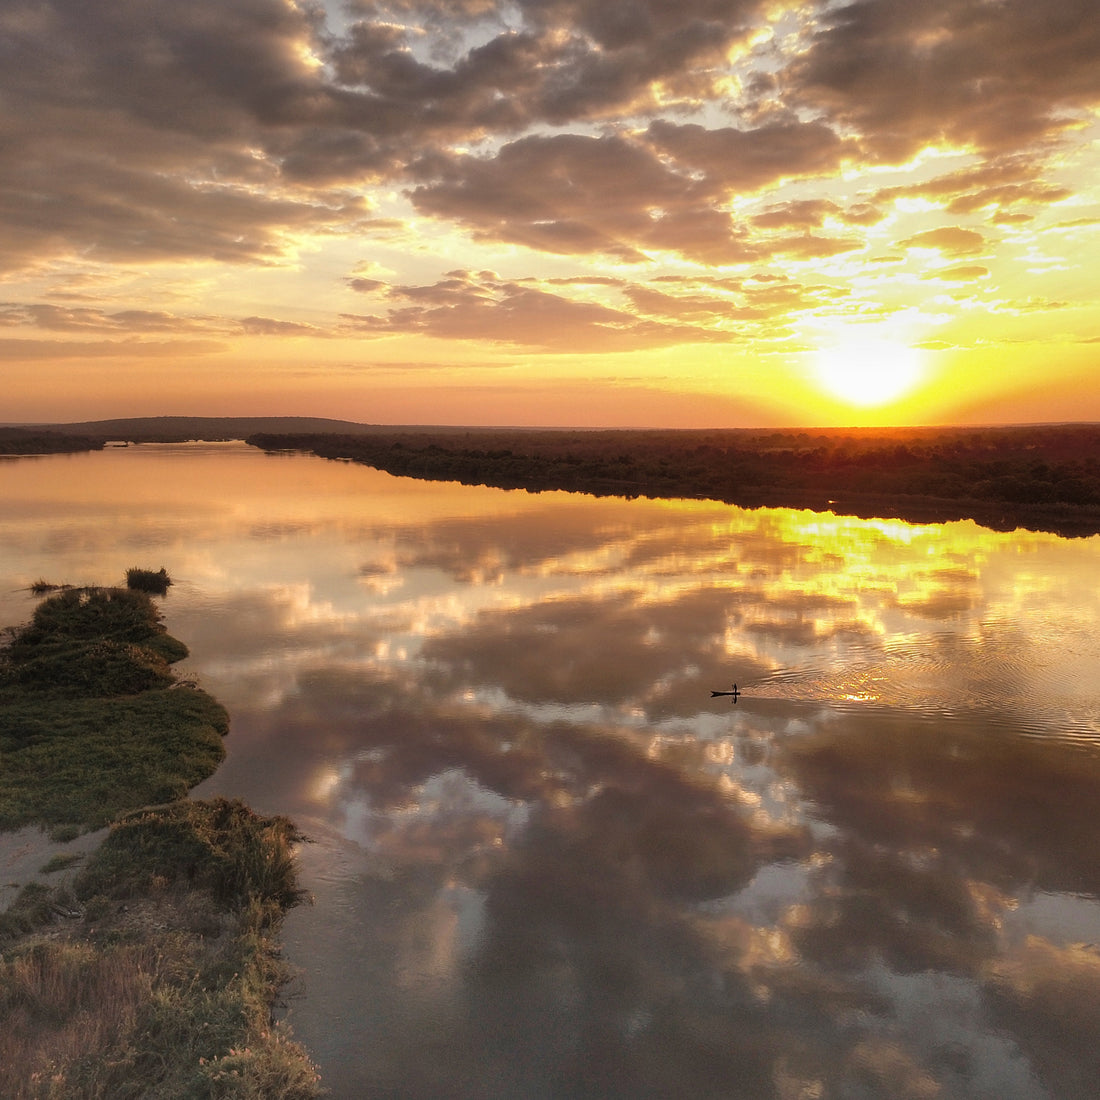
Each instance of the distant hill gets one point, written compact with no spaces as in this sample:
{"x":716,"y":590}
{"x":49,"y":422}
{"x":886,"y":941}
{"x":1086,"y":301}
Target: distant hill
{"x":179,"y":429}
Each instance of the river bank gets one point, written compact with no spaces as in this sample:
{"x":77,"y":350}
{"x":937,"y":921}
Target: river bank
{"x":139,"y":955}
{"x":1039,"y":478}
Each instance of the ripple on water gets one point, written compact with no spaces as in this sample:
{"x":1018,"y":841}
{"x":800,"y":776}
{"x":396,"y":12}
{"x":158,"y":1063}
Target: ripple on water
{"x":946,"y":677}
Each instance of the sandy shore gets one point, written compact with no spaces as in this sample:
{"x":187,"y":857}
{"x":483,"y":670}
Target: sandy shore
{"x":26,"y":851}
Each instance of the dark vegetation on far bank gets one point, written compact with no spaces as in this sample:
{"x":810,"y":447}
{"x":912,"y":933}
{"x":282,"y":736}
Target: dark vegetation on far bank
{"x":153,"y":971}
{"x":41,"y":441}
{"x":1043,"y":477}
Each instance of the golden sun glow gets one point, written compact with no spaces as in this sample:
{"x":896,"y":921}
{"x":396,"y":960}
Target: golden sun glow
{"x":869,"y":371}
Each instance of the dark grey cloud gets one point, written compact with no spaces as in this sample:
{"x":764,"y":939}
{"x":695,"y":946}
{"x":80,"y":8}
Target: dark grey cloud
{"x":578,"y":194}
{"x":745,"y":160}
{"x":469,"y":306}
{"x":998,"y":76}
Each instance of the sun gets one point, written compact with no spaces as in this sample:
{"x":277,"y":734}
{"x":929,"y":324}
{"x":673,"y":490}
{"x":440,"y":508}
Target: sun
{"x":869,"y":371}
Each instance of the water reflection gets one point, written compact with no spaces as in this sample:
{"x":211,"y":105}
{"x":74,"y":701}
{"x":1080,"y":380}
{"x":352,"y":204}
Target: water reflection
{"x":547,"y":862}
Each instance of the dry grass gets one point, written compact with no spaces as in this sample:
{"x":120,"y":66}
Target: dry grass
{"x":64,"y":1005}
{"x":161,"y":986}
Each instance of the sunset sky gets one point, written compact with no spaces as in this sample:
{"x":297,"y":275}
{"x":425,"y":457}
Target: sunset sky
{"x":551,"y":212}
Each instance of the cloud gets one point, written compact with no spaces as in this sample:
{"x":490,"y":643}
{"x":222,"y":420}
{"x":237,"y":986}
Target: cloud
{"x":952,"y":240}
{"x":89,"y":319}
{"x":703,"y":134}
{"x":962,"y":274}
{"x":266,"y":326}
{"x":1001,"y":182}
{"x":965,"y":73}
{"x":469,"y":306}
{"x":34,"y":350}
{"x":575,"y":194}
{"x":137,"y":132}
{"x":746,"y":160}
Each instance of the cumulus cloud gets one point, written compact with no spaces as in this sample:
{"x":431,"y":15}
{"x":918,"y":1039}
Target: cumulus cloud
{"x":966,"y":73}
{"x":953,"y":240}
{"x":479,"y":306}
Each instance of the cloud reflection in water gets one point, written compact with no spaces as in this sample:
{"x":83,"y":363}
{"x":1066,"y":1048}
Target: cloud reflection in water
{"x":660,"y":897}
{"x":548,"y":864}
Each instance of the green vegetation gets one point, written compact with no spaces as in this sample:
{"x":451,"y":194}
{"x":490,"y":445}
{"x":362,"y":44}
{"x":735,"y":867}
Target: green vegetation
{"x":152,"y":974}
{"x":62,"y":861}
{"x":145,"y":580}
{"x":1042,"y":477}
{"x":92,"y":720}
{"x":41,"y":586}
{"x":161,"y":984}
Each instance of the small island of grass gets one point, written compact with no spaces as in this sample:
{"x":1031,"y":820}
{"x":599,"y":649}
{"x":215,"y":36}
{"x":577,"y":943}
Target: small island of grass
{"x":153,"y":971}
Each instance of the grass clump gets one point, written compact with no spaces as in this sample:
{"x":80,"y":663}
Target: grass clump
{"x":82,"y":762}
{"x":62,"y":861}
{"x":92,"y":720}
{"x":221,"y":846}
{"x":41,"y":586}
{"x":31,"y":908}
{"x":78,"y":616}
{"x":145,"y":580}
{"x":165,"y":988}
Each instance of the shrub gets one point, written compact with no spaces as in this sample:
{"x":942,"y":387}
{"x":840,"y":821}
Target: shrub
{"x":145,"y":580}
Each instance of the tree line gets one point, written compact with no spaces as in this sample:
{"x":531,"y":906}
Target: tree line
{"x":1045,"y":476}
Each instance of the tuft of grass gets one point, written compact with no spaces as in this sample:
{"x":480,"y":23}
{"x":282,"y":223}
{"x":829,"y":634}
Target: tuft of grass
{"x":87,"y":615}
{"x":82,"y":762}
{"x":145,"y":580}
{"x":219,"y":845}
{"x":41,"y":586}
{"x":30,"y":910}
{"x":62,"y":861}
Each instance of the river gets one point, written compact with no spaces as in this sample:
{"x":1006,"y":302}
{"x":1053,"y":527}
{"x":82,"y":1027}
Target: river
{"x":546,"y":861}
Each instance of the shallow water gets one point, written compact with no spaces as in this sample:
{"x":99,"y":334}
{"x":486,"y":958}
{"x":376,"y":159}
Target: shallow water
{"x":546,"y":862}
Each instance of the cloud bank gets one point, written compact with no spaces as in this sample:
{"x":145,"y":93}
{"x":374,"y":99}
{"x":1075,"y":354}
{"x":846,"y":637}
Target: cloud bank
{"x":632,"y":139}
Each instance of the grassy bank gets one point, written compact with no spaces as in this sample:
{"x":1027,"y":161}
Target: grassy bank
{"x":93,"y":721}
{"x":153,"y":972}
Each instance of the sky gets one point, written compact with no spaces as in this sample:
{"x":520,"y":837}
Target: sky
{"x":699,"y":213}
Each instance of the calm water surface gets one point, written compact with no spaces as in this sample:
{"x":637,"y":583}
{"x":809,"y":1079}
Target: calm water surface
{"x":546,"y":862}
